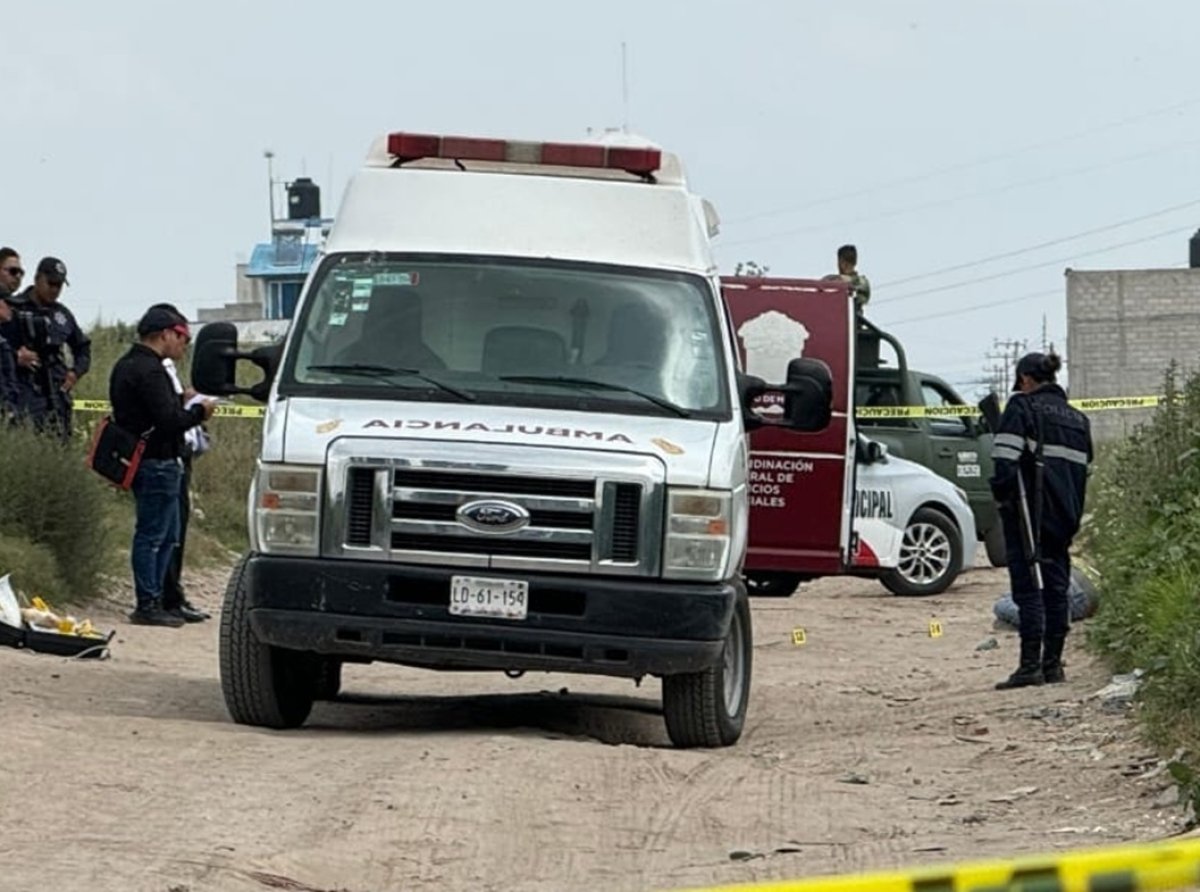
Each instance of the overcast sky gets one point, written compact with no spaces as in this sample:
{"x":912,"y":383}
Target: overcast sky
{"x":932,"y":134}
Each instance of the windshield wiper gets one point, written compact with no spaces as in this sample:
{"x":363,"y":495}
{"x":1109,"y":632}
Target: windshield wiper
{"x":563,"y":381}
{"x":387,"y":371}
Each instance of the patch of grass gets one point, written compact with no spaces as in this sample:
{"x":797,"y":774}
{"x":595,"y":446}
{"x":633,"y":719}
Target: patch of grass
{"x":33,"y":568}
{"x":1143,"y":537}
{"x":50,"y":499}
{"x":221,"y":480}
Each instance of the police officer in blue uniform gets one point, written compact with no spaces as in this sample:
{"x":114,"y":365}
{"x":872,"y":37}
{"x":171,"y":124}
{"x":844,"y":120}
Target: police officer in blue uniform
{"x":44,"y":326}
{"x":10,"y":282}
{"x":1047,"y":445}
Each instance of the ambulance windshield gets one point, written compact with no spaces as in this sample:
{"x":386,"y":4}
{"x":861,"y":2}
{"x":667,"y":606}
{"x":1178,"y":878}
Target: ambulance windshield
{"x":505,"y":331}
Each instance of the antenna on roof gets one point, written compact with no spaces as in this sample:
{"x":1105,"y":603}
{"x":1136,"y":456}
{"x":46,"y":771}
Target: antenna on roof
{"x":268,"y":154}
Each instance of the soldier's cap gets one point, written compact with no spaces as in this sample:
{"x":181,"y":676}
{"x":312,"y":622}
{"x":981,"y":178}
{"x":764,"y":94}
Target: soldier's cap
{"x":161,"y":317}
{"x":53,"y":269}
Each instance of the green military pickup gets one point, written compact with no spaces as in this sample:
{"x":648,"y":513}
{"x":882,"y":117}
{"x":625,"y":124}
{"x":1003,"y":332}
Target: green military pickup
{"x":956,"y":447}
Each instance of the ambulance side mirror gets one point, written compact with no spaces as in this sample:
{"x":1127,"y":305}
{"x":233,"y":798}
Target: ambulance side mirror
{"x":750,"y":388}
{"x":804,"y":403}
{"x":808,"y":401}
{"x":215,"y":358}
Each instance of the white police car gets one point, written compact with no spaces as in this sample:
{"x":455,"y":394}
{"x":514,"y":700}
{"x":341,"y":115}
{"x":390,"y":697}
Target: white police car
{"x":913,"y":529}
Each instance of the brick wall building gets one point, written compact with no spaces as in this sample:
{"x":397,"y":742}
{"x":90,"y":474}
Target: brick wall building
{"x":1124,"y":327}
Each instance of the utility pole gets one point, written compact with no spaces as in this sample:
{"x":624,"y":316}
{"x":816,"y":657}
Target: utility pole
{"x":1004,"y":358}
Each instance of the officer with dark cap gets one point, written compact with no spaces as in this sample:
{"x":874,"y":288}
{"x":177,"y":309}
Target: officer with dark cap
{"x":144,"y":402}
{"x":44,"y":326}
{"x":1046,"y":444}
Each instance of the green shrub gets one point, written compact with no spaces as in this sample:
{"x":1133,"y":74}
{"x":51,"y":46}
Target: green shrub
{"x":33,"y":568}
{"x":48,"y":497}
{"x":221,"y":480}
{"x":1143,"y":537}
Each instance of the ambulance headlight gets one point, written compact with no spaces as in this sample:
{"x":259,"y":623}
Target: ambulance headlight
{"x":287,"y":508}
{"x":699,"y":533}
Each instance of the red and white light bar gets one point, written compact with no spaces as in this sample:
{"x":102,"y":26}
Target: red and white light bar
{"x":414,"y":146}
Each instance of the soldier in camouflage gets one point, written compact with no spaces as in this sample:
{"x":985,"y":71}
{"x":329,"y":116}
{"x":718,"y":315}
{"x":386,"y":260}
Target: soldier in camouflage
{"x":860,"y":287}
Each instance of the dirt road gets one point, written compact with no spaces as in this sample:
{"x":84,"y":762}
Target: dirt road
{"x":871,"y":745}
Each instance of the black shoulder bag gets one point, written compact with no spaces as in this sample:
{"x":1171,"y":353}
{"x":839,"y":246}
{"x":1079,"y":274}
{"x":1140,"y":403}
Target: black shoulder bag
{"x":115,"y":453}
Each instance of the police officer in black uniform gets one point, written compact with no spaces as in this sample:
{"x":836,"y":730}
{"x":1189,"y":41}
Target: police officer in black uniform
{"x":10,"y":395}
{"x":1049,"y":445}
{"x":44,"y":326}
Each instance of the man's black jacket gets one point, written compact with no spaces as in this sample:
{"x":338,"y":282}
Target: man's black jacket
{"x":1044,"y":417}
{"x":144,"y":400}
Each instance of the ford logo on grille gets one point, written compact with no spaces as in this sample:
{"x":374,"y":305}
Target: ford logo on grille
{"x":493,"y":516}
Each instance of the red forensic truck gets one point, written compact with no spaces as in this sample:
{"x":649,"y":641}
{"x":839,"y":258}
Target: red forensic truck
{"x":834,"y":502}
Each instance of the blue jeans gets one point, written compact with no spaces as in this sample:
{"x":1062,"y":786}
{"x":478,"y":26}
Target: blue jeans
{"x":156,"y":488}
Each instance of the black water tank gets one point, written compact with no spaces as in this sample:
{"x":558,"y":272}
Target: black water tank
{"x":1195,"y":252}
{"x":304,"y":200}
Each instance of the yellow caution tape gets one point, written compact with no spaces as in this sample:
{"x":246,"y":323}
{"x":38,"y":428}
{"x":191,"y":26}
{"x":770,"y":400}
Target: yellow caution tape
{"x":1094,"y":404}
{"x":91,"y":405}
{"x":1099,"y":404}
{"x":1134,"y":868}
{"x":239,"y":411}
{"x":231,"y":410}
{"x":915,"y":411}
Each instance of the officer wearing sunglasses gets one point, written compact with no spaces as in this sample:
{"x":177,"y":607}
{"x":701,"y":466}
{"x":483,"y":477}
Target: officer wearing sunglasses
{"x":10,"y":271}
{"x":10,"y":281}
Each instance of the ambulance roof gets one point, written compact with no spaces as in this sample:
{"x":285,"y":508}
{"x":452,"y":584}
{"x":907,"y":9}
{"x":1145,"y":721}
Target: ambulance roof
{"x":607,"y":202}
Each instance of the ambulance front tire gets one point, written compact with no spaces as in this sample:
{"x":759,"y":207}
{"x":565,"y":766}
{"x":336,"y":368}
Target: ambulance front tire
{"x":772,"y":585}
{"x":264,"y":686}
{"x":708,"y":708}
{"x":993,"y":543}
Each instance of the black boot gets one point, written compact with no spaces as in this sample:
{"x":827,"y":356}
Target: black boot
{"x":1052,"y":667}
{"x":1029,"y":672}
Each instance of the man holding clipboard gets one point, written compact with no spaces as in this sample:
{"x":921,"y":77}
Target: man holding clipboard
{"x":145,"y":404}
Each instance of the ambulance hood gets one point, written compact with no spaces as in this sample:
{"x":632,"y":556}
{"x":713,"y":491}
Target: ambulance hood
{"x":300,"y":431}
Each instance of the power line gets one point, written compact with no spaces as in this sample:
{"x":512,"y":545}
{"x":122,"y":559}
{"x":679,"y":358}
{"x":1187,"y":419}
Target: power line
{"x":1047,"y":244}
{"x":962,"y":311}
{"x":966,"y":165}
{"x":955,"y":199}
{"x":1012,"y":272}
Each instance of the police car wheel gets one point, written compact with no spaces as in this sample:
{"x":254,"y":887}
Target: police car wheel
{"x":265,"y":686}
{"x":931,"y":556}
{"x":708,"y":708}
{"x":772,"y":585}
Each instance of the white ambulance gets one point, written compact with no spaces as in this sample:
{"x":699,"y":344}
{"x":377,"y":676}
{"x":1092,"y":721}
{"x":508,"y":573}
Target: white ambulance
{"x":506,"y":432}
